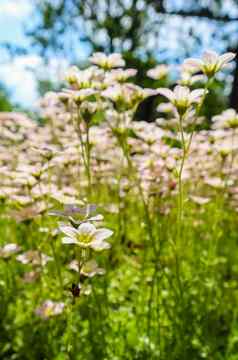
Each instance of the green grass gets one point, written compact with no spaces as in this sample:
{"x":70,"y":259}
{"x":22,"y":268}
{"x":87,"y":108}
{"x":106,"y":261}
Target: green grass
{"x":159,"y":299}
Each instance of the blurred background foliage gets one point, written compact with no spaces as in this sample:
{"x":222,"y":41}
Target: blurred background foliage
{"x":146,"y":32}
{"x":5,"y":104}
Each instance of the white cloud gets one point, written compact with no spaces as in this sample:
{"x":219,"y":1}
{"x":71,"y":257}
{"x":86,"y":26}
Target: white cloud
{"x":30,"y":61}
{"x":15,"y":8}
{"x":20,"y":81}
{"x":20,"y":76}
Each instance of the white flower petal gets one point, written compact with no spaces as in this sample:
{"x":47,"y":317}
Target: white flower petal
{"x":227,"y":57}
{"x":100,"y":245}
{"x":69,"y":231}
{"x":116,"y":60}
{"x":167,"y":93}
{"x":69,"y":240}
{"x":196,"y":95}
{"x":193,"y":64}
{"x":74,"y":265}
{"x":230,"y":113}
{"x":210,"y":57}
{"x":86,"y":228}
{"x":181,"y":93}
{"x":102,"y":234}
{"x":98,"y":217}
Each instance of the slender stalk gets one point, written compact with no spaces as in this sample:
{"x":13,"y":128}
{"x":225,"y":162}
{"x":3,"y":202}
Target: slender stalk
{"x":52,"y":244}
{"x":133,"y":172}
{"x":184,"y":149}
{"x":57,"y":264}
{"x":88,"y":159}
{"x":232,"y":150}
{"x":85,"y":150}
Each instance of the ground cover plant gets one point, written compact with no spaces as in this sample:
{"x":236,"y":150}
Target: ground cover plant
{"x":119,"y":237}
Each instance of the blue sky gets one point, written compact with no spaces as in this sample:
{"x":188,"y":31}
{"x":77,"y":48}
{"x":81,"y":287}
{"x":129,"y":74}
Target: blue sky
{"x":18,"y":73}
{"x":13,"y":72}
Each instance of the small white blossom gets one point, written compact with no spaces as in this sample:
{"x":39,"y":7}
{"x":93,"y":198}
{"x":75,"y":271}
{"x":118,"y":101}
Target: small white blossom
{"x":9,"y":249}
{"x":34,"y":257}
{"x":91,"y":268}
{"x":128,"y":95}
{"x":107,"y":62}
{"x":187,"y":79}
{"x":210,"y":63}
{"x":50,"y":308}
{"x":182,"y":98}
{"x":76,"y":77}
{"x":159,"y":72}
{"x":77,"y":95}
{"x":86,"y":236}
{"x":227,"y":119}
{"x":83,"y":79}
{"x":200,"y":200}
{"x":119,"y":75}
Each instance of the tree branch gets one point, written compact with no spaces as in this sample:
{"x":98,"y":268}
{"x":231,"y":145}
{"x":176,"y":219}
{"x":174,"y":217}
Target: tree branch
{"x":204,"y":13}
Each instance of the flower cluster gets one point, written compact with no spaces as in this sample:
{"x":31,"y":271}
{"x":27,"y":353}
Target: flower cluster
{"x":80,"y":148}
{"x":81,"y":232}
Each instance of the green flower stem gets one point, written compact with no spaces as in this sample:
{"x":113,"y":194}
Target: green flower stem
{"x":52,"y":241}
{"x":57,"y":264}
{"x":85,"y":149}
{"x":198,"y":110}
{"x":186,"y":149}
{"x":180,"y":218}
{"x":70,"y":334}
{"x":125,"y":148}
{"x":232,"y":150}
{"x":88,"y":159}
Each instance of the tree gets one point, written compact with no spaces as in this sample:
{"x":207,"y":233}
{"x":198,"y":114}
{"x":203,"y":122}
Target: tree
{"x":5,"y":104}
{"x":143,"y":30}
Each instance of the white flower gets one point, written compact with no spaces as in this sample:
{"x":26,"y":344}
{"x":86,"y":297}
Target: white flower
{"x":74,"y":265}
{"x":78,"y":78}
{"x":119,"y":75}
{"x":107,"y":62}
{"x":34,"y":257}
{"x":182,"y":98}
{"x":215,"y":182}
{"x":86,"y":236}
{"x":8,"y":250}
{"x":91,"y":268}
{"x":50,"y":308}
{"x":77,"y":95}
{"x":159,"y":72}
{"x":89,"y":107}
{"x":114,"y":93}
{"x":127,"y":95}
{"x":199,"y":199}
{"x":227,"y":119}
{"x":72,"y":74}
{"x":84,"y":79}
{"x":210,"y":63}
{"x":187,"y":79}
